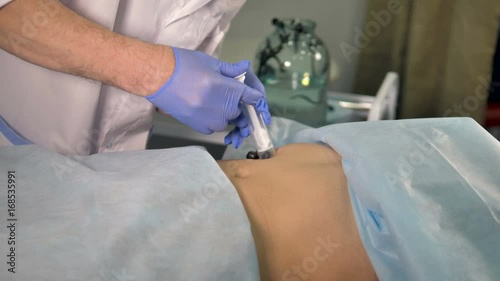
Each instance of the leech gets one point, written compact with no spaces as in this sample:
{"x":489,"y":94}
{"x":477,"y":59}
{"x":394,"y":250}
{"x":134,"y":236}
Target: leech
{"x":253,"y":155}
{"x":266,"y":155}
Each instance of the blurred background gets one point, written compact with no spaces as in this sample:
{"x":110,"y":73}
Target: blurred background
{"x":335,"y":21}
{"x":325,"y":62}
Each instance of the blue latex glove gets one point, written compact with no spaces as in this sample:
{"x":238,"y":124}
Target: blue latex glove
{"x":203,"y":94}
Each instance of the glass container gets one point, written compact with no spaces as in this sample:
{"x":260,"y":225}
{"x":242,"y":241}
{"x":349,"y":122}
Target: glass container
{"x":294,"y":65}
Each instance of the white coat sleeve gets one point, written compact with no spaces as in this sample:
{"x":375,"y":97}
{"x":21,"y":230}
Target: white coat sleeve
{"x":4,"y":2}
{"x":213,"y":43}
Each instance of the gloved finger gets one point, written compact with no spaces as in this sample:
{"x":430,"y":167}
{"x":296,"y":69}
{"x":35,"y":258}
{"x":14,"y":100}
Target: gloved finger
{"x":245,"y":131}
{"x":237,"y":138}
{"x":242,"y":123}
{"x":219,"y":126}
{"x":234,"y":137}
{"x":234,"y":69}
{"x":247,"y":96}
{"x":239,"y":121}
{"x":253,"y":97}
{"x":263,"y":108}
{"x":253,"y":81}
{"x":267,"y":118}
{"x":228,"y":139}
{"x":203,"y":130}
{"x":234,"y":97}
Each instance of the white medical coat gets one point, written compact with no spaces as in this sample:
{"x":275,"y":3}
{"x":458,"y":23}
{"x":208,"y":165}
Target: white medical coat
{"x":73,"y":115}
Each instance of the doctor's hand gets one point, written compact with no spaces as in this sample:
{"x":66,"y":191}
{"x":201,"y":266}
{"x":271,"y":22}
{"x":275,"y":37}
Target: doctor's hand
{"x":202,"y":93}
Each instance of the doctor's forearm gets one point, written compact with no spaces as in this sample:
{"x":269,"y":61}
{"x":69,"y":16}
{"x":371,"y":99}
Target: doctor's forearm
{"x":47,"y":33}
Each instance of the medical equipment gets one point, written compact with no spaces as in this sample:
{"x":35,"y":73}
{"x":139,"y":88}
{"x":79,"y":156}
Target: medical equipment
{"x":425,"y":193}
{"x":293,"y":63}
{"x":384,"y":107}
{"x":258,"y":129}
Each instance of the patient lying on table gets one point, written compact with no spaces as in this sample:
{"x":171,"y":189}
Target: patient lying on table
{"x":173,"y":214}
{"x":301,"y":215}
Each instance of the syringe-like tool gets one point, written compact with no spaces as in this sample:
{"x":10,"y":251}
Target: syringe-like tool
{"x":258,"y":129}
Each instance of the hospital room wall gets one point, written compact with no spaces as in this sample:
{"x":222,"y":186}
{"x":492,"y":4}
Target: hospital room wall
{"x":336,"y":21}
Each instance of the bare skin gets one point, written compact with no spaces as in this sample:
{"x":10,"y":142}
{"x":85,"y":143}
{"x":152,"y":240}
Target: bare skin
{"x":302,"y":220}
{"x":63,"y":41}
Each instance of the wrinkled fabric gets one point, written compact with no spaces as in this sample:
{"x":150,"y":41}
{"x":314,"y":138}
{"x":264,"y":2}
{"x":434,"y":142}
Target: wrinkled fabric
{"x":130,"y":216}
{"x":425,"y":193}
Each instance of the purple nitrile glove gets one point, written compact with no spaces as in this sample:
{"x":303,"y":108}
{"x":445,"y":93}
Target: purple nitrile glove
{"x":202,"y":93}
